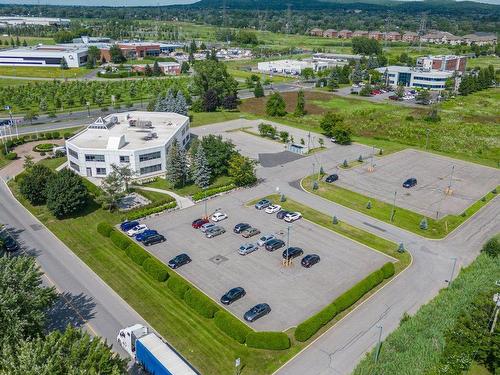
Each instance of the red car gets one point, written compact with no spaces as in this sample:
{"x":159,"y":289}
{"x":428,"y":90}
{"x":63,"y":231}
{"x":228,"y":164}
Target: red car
{"x":376,"y":92}
{"x":198,"y":223}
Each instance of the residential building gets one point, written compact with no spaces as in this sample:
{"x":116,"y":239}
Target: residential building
{"x":410,"y":37}
{"x":44,"y":56}
{"x":448,"y":63}
{"x":480,"y":39}
{"x":360,"y":33}
{"x":316,"y":32}
{"x":377,"y":35}
{"x":39,"y":21}
{"x":441,"y":37}
{"x":345,"y":34}
{"x":330,"y":33}
{"x":415,"y":77}
{"x":138,"y":139}
{"x":392,"y":36}
{"x":293,"y":67}
{"x":168,"y":68}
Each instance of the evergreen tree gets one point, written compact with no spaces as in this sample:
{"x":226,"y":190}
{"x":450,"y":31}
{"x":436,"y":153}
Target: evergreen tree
{"x":276,"y":105}
{"x":176,"y":165}
{"x":148,"y":72}
{"x":357,"y":74}
{"x":64,"y":64}
{"x":258,"y":91}
{"x":201,"y":173}
{"x":157,"y":70}
{"x":185,"y":67}
{"x":300,"y":109}
{"x":25,"y":44}
{"x":210,"y":101}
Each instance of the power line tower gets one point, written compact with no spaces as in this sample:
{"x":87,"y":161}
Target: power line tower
{"x":288,"y":25}
{"x":421,"y":30}
{"x":224,"y":14}
{"x":386,"y":27}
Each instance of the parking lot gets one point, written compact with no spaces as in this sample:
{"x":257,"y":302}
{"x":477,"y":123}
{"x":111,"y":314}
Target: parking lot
{"x":469,"y":182}
{"x":294,"y":293}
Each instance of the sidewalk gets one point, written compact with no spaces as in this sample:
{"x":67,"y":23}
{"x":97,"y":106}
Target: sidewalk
{"x":182,"y":202}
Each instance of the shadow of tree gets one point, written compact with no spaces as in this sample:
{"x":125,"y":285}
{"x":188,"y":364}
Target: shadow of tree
{"x":70,"y":309}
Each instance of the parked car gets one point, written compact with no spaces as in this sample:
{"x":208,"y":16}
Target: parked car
{"x":263,"y":203}
{"x":247,"y":248}
{"x":218,"y":216}
{"x":214,"y":232}
{"x":281,"y":214}
{"x":333,"y":139}
{"x":292,"y":216}
{"x":206,"y":227}
{"x":198,"y":223}
{"x":142,"y":236}
{"x":411,"y":182}
{"x":154,"y":239}
{"x":273,"y":208}
{"x":264,"y":239}
{"x":138,"y":229}
{"x":238,"y":228}
{"x":332,"y":178}
{"x":127,"y":225}
{"x":9,"y":243}
{"x":394,"y":97}
{"x":274,"y":244}
{"x":232,"y":295}
{"x":179,"y":260}
{"x":310,"y":260}
{"x":250,"y":232}
{"x":256,"y":312}
{"x":292,"y":252}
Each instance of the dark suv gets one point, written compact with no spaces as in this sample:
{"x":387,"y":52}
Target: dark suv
{"x":238,"y":228}
{"x":332,"y":178}
{"x":281,"y":214}
{"x":274,"y":244}
{"x":179,"y":260}
{"x":292,"y":252}
{"x":411,"y":182}
{"x":154,"y":239}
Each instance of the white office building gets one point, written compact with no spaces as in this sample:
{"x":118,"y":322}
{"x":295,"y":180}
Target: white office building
{"x":415,"y":77}
{"x":40,"y":21}
{"x":45,"y":56}
{"x":139,"y":139}
{"x":294,"y":67}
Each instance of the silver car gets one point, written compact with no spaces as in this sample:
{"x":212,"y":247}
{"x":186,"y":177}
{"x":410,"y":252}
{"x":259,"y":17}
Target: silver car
{"x":214,"y":231}
{"x":247,"y":248}
{"x":206,"y":227}
{"x":262,"y":241}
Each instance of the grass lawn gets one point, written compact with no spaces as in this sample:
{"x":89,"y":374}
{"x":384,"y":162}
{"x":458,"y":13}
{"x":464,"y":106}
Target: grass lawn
{"x":42,"y":72}
{"x":154,"y":196}
{"x":30,"y":40}
{"x":53,"y":163}
{"x":243,"y":74}
{"x":190,"y":189}
{"x":477,"y":369}
{"x":13,"y":82}
{"x":204,"y":118}
{"x":403,"y":218}
{"x":484,"y":62}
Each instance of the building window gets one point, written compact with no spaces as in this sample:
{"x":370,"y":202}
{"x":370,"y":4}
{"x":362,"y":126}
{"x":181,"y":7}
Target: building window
{"x":90,"y":157}
{"x":150,"y":156}
{"x":124,"y":159}
{"x":100,"y":171}
{"x":73,"y":153}
{"x":150,"y":169}
{"x":75,"y":166}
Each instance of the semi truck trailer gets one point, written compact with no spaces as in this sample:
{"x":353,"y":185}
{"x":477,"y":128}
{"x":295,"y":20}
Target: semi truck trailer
{"x":152,"y":353}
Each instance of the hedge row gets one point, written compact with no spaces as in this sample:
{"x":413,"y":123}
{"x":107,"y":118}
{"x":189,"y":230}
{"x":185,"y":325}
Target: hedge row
{"x":268,"y":340}
{"x":156,"y":269}
{"x":137,"y":254}
{"x":178,"y":286}
{"x":120,"y":240}
{"x":209,"y":192}
{"x":104,"y":229}
{"x":231,"y":326}
{"x":134,"y":215}
{"x":200,"y":303}
{"x":309,"y":327}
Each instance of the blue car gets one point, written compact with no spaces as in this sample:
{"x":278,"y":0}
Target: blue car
{"x":147,"y":233}
{"x":127,"y":225}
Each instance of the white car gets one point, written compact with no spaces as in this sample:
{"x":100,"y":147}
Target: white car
{"x":206,"y":227}
{"x":218,"y":216}
{"x":273,"y":208}
{"x":292,"y":216}
{"x":138,"y":229}
{"x":262,"y":241}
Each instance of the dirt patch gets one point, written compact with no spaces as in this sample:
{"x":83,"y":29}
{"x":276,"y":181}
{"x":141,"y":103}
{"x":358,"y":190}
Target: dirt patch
{"x":257,"y":106}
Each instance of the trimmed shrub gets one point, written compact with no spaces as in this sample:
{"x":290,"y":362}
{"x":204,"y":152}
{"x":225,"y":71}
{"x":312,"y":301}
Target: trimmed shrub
{"x":11,"y":156}
{"x":178,"y":286}
{"x":137,"y":254}
{"x":209,"y":192}
{"x":388,"y":270}
{"x":120,"y":240}
{"x":268,"y":340}
{"x":310,"y":326}
{"x":67,"y":135}
{"x":200,"y":303}
{"x":56,"y":135}
{"x":492,"y":247}
{"x":140,"y":213}
{"x":231,"y":326}
{"x":104,"y":229}
{"x":155,"y":269}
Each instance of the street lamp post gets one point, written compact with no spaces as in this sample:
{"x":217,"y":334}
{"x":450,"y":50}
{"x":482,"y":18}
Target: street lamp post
{"x":427,"y":131}
{"x":288,"y":241}
{"x":88,"y":109}
{"x":379,"y":343}
{"x":393,"y":206}
{"x":452,"y":271}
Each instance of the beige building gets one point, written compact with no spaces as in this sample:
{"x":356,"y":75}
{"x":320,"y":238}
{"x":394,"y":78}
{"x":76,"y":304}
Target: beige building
{"x":330,"y":33}
{"x":345,"y":34}
{"x":316,"y":32}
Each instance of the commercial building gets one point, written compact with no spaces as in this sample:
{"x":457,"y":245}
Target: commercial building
{"x":448,"y":63}
{"x":415,"y":77}
{"x":43,"y":55}
{"x":480,"y":39}
{"x":294,"y":67}
{"x":138,"y":139}
{"x":40,"y":21}
{"x":334,"y":59}
{"x":84,"y":39}
{"x":168,"y":68}
{"x":134,"y":50}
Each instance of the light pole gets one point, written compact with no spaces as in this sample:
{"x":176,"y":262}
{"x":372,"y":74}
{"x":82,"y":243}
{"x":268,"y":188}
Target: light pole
{"x":379,"y":343}
{"x":88,"y":109}
{"x":288,"y":241}
{"x":393,"y":211}
{"x":427,"y":131}
{"x":449,"y":191}
{"x":452,"y":271}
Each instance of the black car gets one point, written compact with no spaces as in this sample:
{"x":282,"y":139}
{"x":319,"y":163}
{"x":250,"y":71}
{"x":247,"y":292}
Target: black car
{"x":310,"y":260}
{"x":292,"y":252}
{"x":281,"y":214}
{"x":238,"y":228}
{"x":10,"y":244}
{"x":233,"y":295}
{"x":274,"y":244}
{"x":411,"y":182}
{"x":256,"y":312}
{"x":332,"y":178}
{"x":179,"y":260}
{"x":154,"y":239}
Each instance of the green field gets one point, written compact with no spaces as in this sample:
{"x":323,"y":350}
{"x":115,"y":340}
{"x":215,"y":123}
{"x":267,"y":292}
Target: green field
{"x":53,"y":163}
{"x":42,"y":72}
{"x":484,"y":62}
{"x":30,"y":40}
{"x":204,"y":118}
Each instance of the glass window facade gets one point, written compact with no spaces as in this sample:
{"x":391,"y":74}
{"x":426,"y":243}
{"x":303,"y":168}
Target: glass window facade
{"x":92,"y":157}
{"x":150,"y":169}
{"x":74,"y":166}
{"x":73,"y":153}
{"x":150,"y":156}
{"x":100,"y":171}
{"x":124,"y":159}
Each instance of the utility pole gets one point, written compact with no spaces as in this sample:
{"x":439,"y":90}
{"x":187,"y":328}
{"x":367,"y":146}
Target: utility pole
{"x":377,"y":350}
{"x":288,"y":25}
{"x":449,"y":191}
{"x":452,"y":271}
{"x":421,"y":30}
{"x":393,"y":211}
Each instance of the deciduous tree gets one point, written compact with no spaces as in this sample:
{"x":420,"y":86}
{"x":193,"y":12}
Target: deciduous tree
{"x":242,"y":170}
{"x":66,"y":194}
{"x":276,"y":105}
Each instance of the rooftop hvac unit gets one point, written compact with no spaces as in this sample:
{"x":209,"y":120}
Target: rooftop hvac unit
{"x":132,"y":122}
{"x":154,"y":135}
{"x":144,"y":124}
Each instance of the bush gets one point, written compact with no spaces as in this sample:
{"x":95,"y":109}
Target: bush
{"x":140,"y":213}
{"x":67,"y":135}
{"x":137,"y":253}
{"x":231,"y":326}
{"x":155,"y":269}
{"x":492,"y":247}
{"x":11,"y":156}
{"x":44,"y":147}
{"x":268,"y":340}
{"x":56,"y":135}
{"x":104,"y":229}
{"x":178,"y":286}
{"x":388,"y":270}
{"x":119,"y":240}
{"x":310,"y":326}
{"x":200,"y":303}
{"x":209,"y":192}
